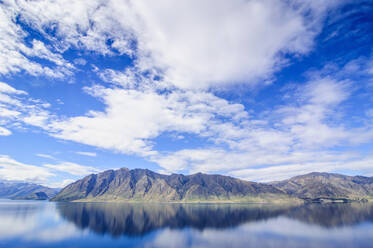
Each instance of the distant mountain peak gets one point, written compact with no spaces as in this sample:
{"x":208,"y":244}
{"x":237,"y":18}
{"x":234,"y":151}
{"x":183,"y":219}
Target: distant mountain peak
{"x":25,"y":190}
{"x":327,"y":185}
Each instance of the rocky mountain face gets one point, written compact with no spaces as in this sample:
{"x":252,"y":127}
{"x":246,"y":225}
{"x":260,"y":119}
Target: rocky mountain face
{"x":146,"y":185}
{"x":25,"y":191}
{"x":326,"y":186}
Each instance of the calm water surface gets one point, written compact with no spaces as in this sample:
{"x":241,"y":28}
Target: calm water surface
{"x":45,"y":224}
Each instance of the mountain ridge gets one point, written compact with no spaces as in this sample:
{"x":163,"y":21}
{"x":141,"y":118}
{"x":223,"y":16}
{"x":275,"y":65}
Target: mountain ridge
{"x":145,"y":185}
{"x":324,"y":186}
{"x":25,"y":191}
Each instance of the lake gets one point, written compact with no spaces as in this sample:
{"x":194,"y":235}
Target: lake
{"x":47,"y":224}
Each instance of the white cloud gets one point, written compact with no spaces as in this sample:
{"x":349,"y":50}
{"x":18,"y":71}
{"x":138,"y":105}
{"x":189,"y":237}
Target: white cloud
{"x":36,"y":117}
{"x":239,"y":162}
{"x":82,"y":24}
{"x":7,"y":113}
{"x":310,"y":122}
{"x":80,"y":61}
{"x":5,"y":88}
{"x":128,"y":79}
{"x":18,"y":109}
{"x":201,"y":46}
{"x":135,"y":117}
{"x":72,"y":168}
{"x":305,"y":131}
{"x":192,"y":48}
{"x":45,"y":156}
{"x":46,"y":174}
{"x":11,"y":169}
{"x":196,"y":45}
{"x":302,"y":131}
{"x":15,"y":56}
{"x":90,"y":154}
{"x":5,"y":132}
{"x":281,"y":172}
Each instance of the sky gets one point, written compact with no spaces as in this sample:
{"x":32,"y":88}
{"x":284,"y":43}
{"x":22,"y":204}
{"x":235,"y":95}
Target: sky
{"x":261,"y":90}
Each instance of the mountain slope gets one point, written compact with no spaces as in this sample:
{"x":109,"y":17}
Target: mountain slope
{"x":146,"y":185}
{"x":25,"y":191}
{"x":327,"y":186}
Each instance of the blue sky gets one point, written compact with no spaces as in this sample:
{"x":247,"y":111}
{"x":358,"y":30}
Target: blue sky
{"x":260,"y":90}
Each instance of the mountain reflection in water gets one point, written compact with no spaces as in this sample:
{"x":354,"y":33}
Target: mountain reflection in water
{"x":37,"y":224}
{"x":138,"y":219}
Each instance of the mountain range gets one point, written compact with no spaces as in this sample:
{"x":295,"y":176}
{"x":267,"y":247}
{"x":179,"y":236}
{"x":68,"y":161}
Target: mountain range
{"x":327,"y":186}
{"x":147,"y":186}
{"x":142,"y":185}
{"x":25,"y":191}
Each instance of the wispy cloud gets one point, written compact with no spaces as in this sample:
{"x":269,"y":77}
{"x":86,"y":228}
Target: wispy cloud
{"x":45,"y":156}
{"x":17,"y":57}
{"x":11,"y":169}
{"x":5,"y":132}
{"x":18,"y":109}
{"x":90,"y":154}
{"x":355,"y":166}
{"x":45,"y":174}
{"x":136,"y":116}
{"x":305,"y":131}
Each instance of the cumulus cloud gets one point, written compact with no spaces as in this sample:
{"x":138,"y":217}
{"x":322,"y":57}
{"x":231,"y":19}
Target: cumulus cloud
{"x":196,"y":45}
{"x":201,"y":46}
